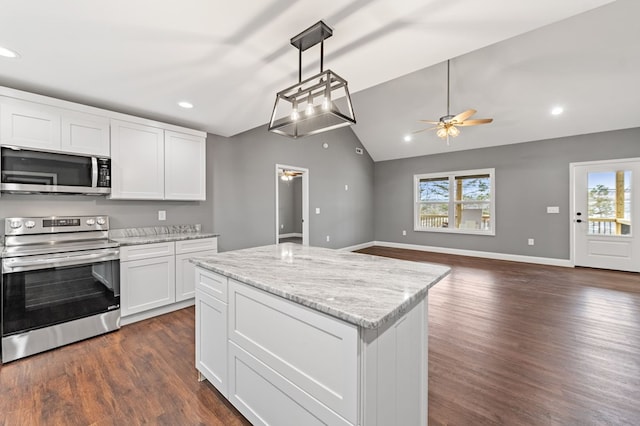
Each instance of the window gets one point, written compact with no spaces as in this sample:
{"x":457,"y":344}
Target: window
{"x":458,"y":202}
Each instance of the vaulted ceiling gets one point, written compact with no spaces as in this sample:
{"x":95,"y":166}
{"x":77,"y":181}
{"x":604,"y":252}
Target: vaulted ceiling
{"x":511,"y":61}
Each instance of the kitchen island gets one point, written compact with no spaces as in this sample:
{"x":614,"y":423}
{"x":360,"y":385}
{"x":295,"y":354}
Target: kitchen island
{"x":304,"y":335}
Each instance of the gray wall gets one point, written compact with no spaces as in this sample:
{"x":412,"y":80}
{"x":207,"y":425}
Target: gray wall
{"x":290,"y":205}
{"x":123,"y":213}
{"x":244,"y":187}
{"x":529,"y":177}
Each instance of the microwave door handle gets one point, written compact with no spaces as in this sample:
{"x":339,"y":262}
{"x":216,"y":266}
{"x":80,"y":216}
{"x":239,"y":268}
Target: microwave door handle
{"x":48,"y":262}
{"x":94,"y":172}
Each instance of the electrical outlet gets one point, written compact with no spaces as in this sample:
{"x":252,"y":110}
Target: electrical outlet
{"x":162,"y":215}
{"x":553,"y":209}
{"x":346,"y":187}
{"x":282,"y":226}
{"x":328,"y":238}
{"x":317,"y":210}
{"x":404,"y":232}
{"x":531,"y":241}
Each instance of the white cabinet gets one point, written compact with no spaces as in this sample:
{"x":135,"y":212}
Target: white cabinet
{"x":159,"y":275}
{"x":85,"y":134}
{"x":185,"y":163}
{"x":185,"y":270}
{"x":147,"y":277}
{"x":29,"y":125}
{"x":38,"y":126}
{"x":137,"y":161}
{"x":287,"y":364}
{"x":211,"y":328}
{"x":149,"y":163}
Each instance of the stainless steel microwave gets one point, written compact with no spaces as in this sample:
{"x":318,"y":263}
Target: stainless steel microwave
{"x":26,"y":171}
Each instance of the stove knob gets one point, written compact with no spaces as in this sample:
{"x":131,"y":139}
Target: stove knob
{"x":29,"y":224}
{"x":15,"y":224}
{"x":101,"y":221}
{"x":91,"y":222}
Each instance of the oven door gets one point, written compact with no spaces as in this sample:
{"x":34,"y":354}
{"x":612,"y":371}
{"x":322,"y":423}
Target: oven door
{"x":45,"y":290}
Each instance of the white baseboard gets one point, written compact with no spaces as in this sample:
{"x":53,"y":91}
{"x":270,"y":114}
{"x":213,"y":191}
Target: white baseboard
{"x":290,"y":235}
{"x":566,"y":263}
{"x":130,"y":319}
{"x":358,"y":246}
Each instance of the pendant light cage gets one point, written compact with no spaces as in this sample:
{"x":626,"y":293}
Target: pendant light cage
{"x":317,"y":104}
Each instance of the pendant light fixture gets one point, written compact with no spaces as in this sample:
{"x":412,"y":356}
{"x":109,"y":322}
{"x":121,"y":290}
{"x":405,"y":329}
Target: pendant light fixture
{"x":317,"y":104}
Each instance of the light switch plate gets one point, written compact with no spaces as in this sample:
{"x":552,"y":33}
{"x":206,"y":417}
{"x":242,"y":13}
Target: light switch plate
{"x":317,"y":210}
{"x":162,"y":215}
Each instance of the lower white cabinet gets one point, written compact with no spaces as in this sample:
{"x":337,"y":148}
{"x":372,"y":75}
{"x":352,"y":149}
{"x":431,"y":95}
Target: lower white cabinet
{"x":211,"y":329}
{"x":185,"y":270}
{"x":281,"y":363}
{"x":147,"y":284}
{"x":159,"y":275}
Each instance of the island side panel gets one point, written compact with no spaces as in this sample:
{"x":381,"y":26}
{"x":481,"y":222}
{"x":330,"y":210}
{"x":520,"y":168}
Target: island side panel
{"x":394,"y":365}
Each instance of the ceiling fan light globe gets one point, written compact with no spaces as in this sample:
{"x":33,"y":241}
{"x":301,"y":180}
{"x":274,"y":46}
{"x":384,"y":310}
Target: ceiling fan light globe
{"x":453,"y":131}
{"x":442,"y":132}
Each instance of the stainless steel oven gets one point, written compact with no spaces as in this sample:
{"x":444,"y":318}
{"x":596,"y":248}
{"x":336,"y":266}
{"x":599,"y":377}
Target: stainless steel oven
{"x":60,"y":283}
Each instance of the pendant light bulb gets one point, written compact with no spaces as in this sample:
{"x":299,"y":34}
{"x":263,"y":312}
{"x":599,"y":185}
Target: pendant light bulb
{"x":295,"y":115}
{"x":309,"y":110}
{"x":325,"y":103}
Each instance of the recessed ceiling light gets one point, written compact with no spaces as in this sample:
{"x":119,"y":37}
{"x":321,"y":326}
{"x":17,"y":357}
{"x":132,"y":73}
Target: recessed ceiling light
{"x":557,"y":110}
{"x":185,"y":104}
{"x":407,"y":138}
{"x":8,"y":53}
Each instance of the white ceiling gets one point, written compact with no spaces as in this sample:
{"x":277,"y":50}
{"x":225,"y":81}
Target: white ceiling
{"x":230,"y":58}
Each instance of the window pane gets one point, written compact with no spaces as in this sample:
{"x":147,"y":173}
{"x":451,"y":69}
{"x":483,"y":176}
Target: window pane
{"x":434,"y":189}
{"x":473,"y":188}
{"x":433,"y":215}
{"x":473,"y":216}
{"x":609,"y":201}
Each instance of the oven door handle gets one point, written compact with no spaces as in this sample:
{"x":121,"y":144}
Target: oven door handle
{"x":17,"y":264}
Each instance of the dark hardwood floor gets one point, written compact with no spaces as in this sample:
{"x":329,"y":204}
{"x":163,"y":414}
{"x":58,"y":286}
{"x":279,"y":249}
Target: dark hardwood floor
{"x":509,"y":343}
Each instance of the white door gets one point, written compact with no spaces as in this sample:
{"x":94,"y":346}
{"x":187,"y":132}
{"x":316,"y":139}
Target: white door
{"x":605,"y":214}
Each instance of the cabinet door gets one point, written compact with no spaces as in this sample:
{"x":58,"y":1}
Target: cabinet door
{"x":211,"y":340}
{"x":29,"y":125}
{"x":137,"y":161}
{"x":186,"y":274}
{"x":185,"y":166}
{"x":85,"y":134}
{"x":146,"y":284}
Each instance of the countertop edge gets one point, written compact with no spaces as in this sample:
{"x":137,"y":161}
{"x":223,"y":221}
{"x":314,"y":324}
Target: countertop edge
{"x":345,"y":316}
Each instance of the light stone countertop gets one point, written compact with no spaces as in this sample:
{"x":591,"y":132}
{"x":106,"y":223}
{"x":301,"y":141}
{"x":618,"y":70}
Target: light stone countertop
{"x":357,"y":288}
{"x":158,"y":234}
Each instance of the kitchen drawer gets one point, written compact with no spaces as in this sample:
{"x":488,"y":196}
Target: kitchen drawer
{"x":212,"y":284}
{"x":146,"y":251}
{"x":202,"y":244}
{"x":315,"y":352}
{"x":264,"y":397}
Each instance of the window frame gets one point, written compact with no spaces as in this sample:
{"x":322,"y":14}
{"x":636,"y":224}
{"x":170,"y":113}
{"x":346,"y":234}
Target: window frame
{"x":451,"y":176}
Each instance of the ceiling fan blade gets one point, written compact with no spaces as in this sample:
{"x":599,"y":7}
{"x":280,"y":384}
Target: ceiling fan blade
{"x":429,"y":121}
{"x":475,"y":122}
{"x":424,"y":130}
{"x":464,"y":115}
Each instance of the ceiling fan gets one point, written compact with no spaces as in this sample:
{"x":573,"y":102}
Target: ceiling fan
{"x":448,"y":125}
{"x":288,"y":175}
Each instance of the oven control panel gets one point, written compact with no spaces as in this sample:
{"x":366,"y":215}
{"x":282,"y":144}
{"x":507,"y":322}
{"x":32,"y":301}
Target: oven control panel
{"x":54,"y":224}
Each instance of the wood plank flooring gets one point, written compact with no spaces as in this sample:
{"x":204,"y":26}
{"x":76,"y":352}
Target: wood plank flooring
{"x":509,"y":343}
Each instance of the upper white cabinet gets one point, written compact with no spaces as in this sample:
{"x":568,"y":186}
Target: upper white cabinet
{"x":137,"y":161}
{"x":149,"y":163}
{"x":38,"y":126}
{"x":185,"y":163}
{"x":85,"y":133}
{"x":29,"y":125}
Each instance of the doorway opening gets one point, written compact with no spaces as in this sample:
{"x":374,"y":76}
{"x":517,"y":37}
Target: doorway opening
{"x":292,"y":204}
